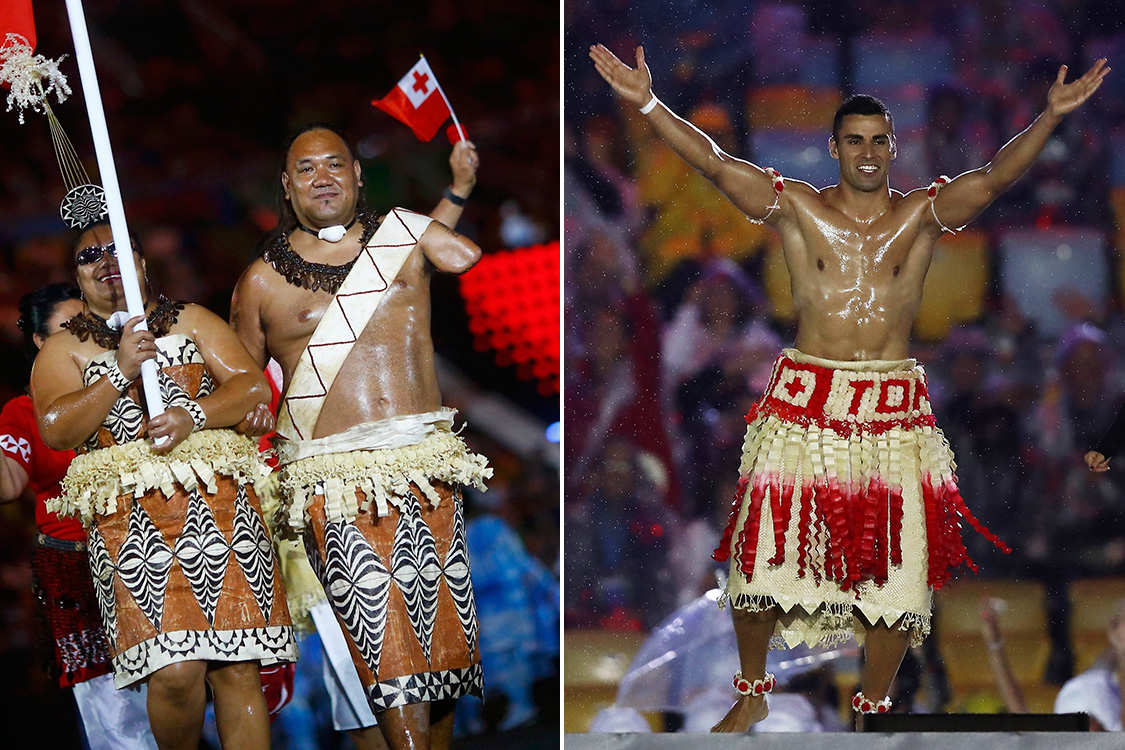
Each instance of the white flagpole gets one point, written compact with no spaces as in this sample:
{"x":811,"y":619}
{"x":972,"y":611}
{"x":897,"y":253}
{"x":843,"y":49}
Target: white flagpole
{"x":108,"y":172}
{"x":448,"y":106}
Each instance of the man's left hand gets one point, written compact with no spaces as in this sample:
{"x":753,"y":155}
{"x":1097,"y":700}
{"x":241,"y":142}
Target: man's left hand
{"x":464,"y":162}
{"x":1064,"y":98}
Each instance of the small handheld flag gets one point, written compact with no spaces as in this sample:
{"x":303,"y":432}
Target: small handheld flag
{"x":419,"y":102}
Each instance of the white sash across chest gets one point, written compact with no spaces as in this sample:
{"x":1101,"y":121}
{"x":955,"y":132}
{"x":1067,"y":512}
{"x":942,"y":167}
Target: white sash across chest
{"x":376,"y":267}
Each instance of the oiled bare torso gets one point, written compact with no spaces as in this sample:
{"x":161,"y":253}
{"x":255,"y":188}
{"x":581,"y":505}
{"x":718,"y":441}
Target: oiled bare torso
{"x":856,"y":284}
{"x":390,"y":370}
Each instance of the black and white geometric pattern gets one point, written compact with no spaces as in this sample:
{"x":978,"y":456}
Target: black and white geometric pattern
{"x":357,"y":584}
{"x":101,"y":571}
{"x":143,"y":564}
{"x":203,"y":553}
{"x":126,"y":415}
{"x":83,"y":205}
{"x":268,"y":644}
{"x":253,"y":551}
{"x":417,"y":571}
{"x":426,"y":687}
{"x":456,"y":572}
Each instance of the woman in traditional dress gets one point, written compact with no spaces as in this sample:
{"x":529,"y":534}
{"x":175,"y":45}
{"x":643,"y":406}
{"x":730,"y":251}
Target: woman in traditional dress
{"x":72,"y":643}
{"x":181,"y":559}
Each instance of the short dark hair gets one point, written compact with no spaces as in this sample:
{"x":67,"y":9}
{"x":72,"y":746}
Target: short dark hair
{"x":860,"y":104}
{"x":36,"y":307}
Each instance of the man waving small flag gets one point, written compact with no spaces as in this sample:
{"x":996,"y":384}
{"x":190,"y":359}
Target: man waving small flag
{"x":419,"y":102}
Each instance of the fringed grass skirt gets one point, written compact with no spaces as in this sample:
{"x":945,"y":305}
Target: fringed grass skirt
{"x":847,"y":502}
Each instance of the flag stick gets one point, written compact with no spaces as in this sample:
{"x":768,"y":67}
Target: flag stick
{"x":456,"y":123}
{"x":108,"y":171}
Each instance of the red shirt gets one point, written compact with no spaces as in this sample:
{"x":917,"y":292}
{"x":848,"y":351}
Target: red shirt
{"x":45,"y":467}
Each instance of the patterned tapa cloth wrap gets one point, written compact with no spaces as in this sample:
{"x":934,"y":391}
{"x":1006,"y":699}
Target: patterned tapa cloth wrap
{"x":72,"y":644}
{"x":384,"y":529}
{"x":181,"y":559}
{"x":847,"y":500}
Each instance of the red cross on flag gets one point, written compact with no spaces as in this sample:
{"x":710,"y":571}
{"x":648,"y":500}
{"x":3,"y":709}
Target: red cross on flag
{"x":418,"y":102}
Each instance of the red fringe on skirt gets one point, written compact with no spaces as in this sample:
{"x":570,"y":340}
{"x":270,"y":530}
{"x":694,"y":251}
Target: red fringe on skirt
{"x":859,"y":528}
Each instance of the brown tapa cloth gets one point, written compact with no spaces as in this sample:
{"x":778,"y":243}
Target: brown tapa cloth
{"x":192,"y":577}
{"x":400,"y":587}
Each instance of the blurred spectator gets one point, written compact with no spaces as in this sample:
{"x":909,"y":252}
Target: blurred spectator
{"x":980,"y":423}
{"x":617,"y":541}
{"x":517,"y":601}
{"x":1097,"y":691}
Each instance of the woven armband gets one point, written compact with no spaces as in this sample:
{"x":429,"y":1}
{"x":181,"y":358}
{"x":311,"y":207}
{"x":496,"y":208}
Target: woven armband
{"x":197,"y":416}
{"x":117,"y":378}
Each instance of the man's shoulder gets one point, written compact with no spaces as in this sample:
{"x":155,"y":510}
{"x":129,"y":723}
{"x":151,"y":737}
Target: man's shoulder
{"x":260,"y":275}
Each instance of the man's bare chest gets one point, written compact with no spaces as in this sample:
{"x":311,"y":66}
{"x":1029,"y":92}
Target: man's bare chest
{"x":293,"y":313}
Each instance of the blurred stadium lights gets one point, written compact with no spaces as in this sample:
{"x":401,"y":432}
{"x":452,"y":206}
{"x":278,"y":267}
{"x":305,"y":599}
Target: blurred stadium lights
{"x":512,"y":299}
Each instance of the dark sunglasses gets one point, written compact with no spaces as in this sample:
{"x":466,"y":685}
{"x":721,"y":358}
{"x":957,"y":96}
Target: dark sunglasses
{"x":94,"y":253}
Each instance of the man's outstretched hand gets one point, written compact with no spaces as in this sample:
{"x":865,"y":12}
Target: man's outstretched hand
{"x":1064,"y":98}
{"x":634,"y":85}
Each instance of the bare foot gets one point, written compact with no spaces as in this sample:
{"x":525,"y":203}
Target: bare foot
{"x":745,"y":713}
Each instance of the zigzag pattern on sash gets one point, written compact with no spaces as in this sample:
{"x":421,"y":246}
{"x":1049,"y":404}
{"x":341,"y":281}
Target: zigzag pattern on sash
{"x":347,"y":339}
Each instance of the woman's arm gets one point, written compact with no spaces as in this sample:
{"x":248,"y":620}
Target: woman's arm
{"x":241,"y":385}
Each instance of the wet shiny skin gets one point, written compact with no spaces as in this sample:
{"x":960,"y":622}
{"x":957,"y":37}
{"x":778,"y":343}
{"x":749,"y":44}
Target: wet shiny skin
{"x":390,"y":370}
{"x":857,"y":267}
{"x":856,"y":287}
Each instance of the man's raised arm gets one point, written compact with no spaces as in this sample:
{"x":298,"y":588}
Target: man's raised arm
{"x":746,"y":185}
{"x":463,"y":162}
{"x":966,"y":196}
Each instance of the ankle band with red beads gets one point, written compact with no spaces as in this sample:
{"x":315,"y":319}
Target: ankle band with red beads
{"x":755,"y":688}
{"x":861,"y":704}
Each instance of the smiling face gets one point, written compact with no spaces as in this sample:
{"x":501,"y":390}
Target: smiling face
{"x":865,"y":146}
{"x":321,"y":180}
{"x":100,"y":279}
